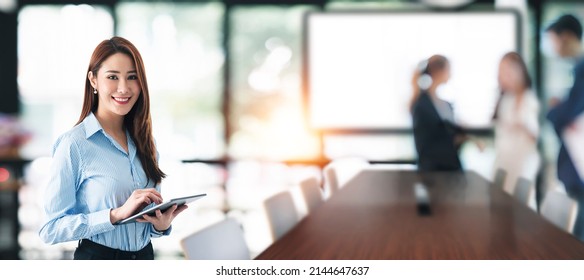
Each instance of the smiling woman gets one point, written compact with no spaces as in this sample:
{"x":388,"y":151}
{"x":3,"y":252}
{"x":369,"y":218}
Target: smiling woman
{"x":105,"y":169}
{"x":110,"y":59}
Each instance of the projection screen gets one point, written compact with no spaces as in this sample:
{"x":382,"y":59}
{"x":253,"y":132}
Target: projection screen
{"x":359,"y":65}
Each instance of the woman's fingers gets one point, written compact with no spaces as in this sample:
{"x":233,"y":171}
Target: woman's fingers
{"x":148,"y":198}
{"x":179,"y":210}
{"x":154,"y":193}
{"x":150,"y":192}
{"x":154,"y":198}
{"x":137,"y":201}
{"x":163,"y":220}
{"x":171,"y":210}
{"x":147,"y":218}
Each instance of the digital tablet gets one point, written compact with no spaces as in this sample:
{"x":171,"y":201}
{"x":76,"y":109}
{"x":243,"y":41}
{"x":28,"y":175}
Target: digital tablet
{"x":163,"y":207}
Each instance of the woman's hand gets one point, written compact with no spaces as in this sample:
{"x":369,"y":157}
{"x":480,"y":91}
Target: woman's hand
{"x":162,"y":221}
{"x":137,"y":201}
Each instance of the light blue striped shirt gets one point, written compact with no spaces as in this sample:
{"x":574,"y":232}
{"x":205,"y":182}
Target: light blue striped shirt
{"x":90,"y":175}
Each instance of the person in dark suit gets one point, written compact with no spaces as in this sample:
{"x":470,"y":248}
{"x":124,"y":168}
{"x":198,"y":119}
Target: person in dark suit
{"x":565,"y":35}
{"x":437,"y":137}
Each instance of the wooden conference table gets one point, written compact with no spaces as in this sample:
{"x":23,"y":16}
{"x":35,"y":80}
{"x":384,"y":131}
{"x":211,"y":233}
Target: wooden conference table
{"x":377,"y":216}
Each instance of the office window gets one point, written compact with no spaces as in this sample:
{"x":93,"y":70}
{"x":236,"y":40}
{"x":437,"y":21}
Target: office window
{"x":181,"y":47}
{"x":181,"y":44}
{"x":267,"y":112}
{"x":55,"y":43}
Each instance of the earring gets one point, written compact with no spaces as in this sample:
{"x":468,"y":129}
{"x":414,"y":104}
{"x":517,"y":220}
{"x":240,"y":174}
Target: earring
{"x":94,"y":91}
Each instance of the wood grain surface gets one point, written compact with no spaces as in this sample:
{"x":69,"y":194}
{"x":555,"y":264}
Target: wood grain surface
{"x":376,"y":216}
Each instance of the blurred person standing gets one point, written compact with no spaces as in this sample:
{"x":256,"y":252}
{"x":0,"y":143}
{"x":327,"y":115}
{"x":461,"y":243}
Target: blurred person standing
{"x":437,"y":137}
{"x":516,"y":122}
{"x":566,"y":38}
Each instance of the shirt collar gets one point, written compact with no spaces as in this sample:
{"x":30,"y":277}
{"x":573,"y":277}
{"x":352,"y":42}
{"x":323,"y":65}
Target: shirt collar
{"x":91,"y":125}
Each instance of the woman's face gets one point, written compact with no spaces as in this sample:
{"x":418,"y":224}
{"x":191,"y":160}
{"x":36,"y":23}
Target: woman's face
{"x":443,"y":75}
{"x":510,"y":76}
{"x":117,"y":85}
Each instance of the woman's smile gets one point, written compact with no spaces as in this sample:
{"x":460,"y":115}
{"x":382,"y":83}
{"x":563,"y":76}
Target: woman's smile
{"x":121,"y":100}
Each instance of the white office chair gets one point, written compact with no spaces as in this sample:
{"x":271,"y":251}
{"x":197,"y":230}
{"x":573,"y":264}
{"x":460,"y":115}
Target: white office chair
{"x":281,"y":213}
{"x":524,"y":191}
{"x":340,"y":171}
{"x":500,"y":177}
{"x":560,"y":210}
{"x":312,"y":193}
{"x":221,"y":241}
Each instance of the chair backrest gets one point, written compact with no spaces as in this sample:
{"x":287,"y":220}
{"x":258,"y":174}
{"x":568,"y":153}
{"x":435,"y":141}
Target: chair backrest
{"x":221,"y":241}
{"x":340,"y":171}
{"x":281,"y":213}
{"x":560,"y":209}
{"x":524,"y":190}
{"x":331,"y":182}
{"x":312,"y":193}
{"x":500,"y":177}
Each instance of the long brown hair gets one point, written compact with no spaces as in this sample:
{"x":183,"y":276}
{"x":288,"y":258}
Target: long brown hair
{"x":137,"y":121}
{"x":515,"y":58}
{"x":430,"y":67}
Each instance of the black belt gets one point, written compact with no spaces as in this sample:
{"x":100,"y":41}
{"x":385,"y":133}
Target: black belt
{"x":103,"y":252}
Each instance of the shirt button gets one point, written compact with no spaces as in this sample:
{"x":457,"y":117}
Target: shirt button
{"x":133,"y":257}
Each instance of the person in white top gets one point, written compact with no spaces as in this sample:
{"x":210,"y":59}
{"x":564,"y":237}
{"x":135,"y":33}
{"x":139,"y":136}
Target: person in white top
{"x":516,"y":122}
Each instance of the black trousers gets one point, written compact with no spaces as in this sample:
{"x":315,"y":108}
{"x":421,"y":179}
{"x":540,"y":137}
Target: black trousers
{"x":89,"y":250}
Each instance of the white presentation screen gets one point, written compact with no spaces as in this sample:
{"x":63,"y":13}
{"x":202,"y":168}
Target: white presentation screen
{"x":360,"y":64}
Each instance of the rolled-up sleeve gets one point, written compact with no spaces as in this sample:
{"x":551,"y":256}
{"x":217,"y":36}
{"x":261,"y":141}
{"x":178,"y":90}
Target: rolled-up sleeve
{"x":63,"y":221}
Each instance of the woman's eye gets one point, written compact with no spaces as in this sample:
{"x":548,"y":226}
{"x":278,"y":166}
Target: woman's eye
{"x":112,"y":77}
{"x":133,"y":77}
